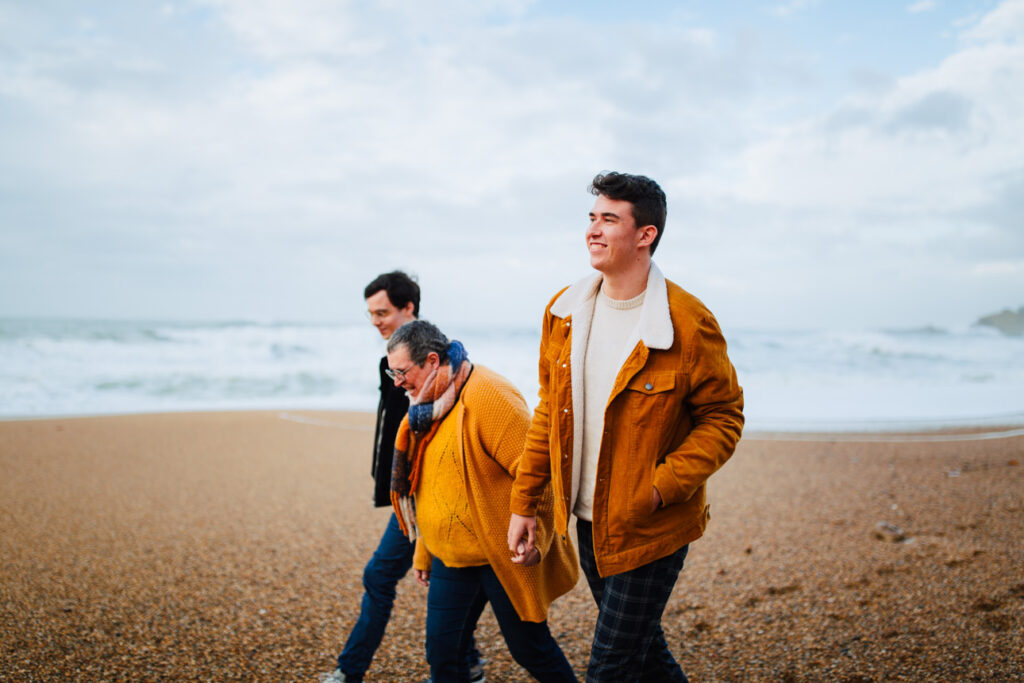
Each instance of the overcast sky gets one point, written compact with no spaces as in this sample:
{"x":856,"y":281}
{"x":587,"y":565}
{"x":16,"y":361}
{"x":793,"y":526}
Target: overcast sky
{"x":827,"y":164}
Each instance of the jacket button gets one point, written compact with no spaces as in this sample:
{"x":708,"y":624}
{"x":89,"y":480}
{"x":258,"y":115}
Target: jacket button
{"x":648,"y":386}
{"x":564,"y":365}
{"x":565,"y":410}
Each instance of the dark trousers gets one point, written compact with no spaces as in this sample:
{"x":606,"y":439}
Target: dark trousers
{"x":629,"y":644}
{"x":456,"y":597}
{"x":390,"y":562}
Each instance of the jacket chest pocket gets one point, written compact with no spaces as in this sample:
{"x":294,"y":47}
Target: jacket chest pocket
{"x":653,"y":384}
{"x":653,"y":403}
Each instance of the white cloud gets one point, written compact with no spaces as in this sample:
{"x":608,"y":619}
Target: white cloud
{"x":921,"y":6}
{"x":1005,"y":24}
{"x":898,"y":196}
{"x":794,"y":7}
{"x":925,"y":143}
{"x":998,"y":268}
{"x":298,"y":149}
{"x":302,"y":27}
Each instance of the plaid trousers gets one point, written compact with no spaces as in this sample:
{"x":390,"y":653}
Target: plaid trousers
{"x":629,"y":644}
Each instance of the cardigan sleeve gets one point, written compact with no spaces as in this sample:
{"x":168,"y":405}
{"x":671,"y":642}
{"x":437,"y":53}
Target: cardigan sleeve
{"x":422,"y":559}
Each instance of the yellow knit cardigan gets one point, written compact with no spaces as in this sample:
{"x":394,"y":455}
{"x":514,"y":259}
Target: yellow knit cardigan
{"x":492,"y":420}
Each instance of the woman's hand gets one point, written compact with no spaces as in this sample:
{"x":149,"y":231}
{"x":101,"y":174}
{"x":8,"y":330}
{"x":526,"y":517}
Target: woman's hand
{"x":422,"y":576}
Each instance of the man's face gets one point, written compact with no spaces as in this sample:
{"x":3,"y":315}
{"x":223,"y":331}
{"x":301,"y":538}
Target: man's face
{"x":384,"y":316}
{"x":408,"y":375}
{"x":612,"y":237}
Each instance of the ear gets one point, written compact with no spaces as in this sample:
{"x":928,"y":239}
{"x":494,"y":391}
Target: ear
{"x":646,"y":235}
{"x":407,"y":309}
{"x":432,"y":356}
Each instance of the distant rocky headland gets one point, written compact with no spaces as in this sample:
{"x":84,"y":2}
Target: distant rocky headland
{"x":1008,"y":322}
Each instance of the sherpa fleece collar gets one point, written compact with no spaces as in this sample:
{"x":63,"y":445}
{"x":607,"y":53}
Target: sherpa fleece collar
{"x":655,"y":326}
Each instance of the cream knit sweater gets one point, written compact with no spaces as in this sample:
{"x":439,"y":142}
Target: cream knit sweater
{"x":607,"y":348}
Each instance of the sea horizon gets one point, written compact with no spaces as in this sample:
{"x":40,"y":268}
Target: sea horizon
{"x":817,"y":380}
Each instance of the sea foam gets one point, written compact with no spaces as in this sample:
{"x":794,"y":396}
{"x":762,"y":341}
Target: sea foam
{"x":792,"y":379}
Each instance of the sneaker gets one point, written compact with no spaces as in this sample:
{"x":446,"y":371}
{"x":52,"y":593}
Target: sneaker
{"x":338,"y":676}
{"x":476,"y":674}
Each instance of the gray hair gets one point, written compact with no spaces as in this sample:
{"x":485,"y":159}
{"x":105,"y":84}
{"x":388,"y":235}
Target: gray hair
{"x":420,"y":338}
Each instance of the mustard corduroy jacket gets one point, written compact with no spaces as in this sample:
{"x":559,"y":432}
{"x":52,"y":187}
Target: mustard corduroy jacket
{"x":492,"y":419}
{"x":673,"y":418}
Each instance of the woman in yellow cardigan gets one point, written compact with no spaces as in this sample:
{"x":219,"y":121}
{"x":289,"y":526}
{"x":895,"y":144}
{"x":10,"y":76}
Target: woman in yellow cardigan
{"x":455,"y":460}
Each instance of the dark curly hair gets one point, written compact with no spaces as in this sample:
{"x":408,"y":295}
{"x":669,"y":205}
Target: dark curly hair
{"x":647,"y":198}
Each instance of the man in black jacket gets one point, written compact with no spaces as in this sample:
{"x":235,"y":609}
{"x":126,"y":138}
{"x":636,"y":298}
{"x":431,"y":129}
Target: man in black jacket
{"x":392,"y":299}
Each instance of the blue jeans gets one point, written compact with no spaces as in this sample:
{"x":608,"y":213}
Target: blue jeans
{"x":629,"y":644}
{"x":390,"y":562}
{"x":456,"y":597}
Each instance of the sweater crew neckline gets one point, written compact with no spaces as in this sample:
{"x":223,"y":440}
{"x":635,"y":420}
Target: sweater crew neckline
{"x":621,"y":304}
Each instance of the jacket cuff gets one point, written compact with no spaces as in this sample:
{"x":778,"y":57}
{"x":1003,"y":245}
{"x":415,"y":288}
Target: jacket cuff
{"x":519,"y":505}
{"x":668,"y":489}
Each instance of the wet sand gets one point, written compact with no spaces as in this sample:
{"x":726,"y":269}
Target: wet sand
{"x":230,"y":546}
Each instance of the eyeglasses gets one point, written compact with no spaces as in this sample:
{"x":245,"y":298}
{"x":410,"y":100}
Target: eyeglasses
{"x":398,"y":374}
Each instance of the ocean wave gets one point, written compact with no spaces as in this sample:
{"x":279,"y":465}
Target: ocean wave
{"x":300,"y":384}
{"x":71,"y":367}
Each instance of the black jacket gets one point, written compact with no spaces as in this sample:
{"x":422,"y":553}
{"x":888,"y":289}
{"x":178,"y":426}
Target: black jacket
{"x":392,"y":407}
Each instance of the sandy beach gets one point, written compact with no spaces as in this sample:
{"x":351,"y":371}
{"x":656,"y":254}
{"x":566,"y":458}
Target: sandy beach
{"x":230,"y":546}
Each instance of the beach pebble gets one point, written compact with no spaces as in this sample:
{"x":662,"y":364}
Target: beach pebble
{"x":889,"y":532}
{"x":216,"y":547}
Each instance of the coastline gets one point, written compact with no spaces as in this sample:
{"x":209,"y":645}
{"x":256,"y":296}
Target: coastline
{"x":772,"y":429}
{"x":228,"y":545}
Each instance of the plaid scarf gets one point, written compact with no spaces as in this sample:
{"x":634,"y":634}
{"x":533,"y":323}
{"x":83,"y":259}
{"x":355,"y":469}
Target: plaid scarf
{"x":426,"y":412}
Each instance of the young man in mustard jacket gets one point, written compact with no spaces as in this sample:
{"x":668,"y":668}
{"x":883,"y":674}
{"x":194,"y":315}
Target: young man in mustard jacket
{"x":639,"y":405}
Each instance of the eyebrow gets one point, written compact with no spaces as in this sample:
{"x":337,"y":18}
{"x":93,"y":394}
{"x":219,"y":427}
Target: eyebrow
{"x":605,"y":214}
